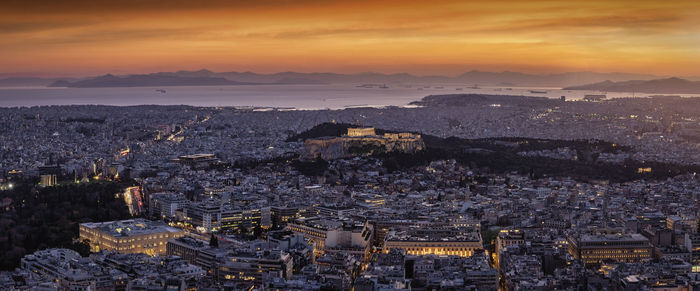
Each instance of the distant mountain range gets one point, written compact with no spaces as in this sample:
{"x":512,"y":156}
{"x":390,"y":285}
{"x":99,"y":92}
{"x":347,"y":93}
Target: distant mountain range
{"x":207,"y":78}
{"x":668,"y":85}
{"x":28,"y":82}
{"x":145,"y":81}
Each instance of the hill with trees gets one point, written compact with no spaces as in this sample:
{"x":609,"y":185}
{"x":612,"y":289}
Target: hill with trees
{"x":500,"y":155}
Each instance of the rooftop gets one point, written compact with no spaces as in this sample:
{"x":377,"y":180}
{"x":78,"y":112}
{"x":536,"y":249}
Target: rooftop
{"x":635,"y":237}
{"x":137,"y":226}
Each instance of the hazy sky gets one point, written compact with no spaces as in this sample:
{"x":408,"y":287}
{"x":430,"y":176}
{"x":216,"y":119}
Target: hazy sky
{"x":75,"y":37}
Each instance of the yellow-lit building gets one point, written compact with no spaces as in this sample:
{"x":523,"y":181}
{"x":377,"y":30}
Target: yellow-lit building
{"x":363,"y":141}
{"x":48,"y":180}
{"x":361,"y":131}
{"x":129,"y":236}
{"x":461,"y":242}
{"x":505,"y":238}
{"x":593,"y":249}
{"x":256,"y":267}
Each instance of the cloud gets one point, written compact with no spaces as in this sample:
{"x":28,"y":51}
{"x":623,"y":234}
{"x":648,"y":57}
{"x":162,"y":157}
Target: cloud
{"x":25,"y":26}
{"x":627,"y":22}
{"x":106,"y":37}
{"x":357,"y":33}
{"x":143,"y":6}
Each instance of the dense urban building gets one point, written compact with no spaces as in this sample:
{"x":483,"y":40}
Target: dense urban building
{"x":129,"y":236}
{"x":516,"y":193}
{"x":595,"y":249}
{"x":461,"y":242}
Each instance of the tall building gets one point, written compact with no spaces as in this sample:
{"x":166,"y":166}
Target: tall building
{"x":129,"y":236}
{"x":332,"y":236}
{"x":257,"y":267}
{"x":505,"y":238}
{"x":164,"y":205}
{"x":686,"y":223}
{"x":186,"y":248}
{"x":281,"y":215}
{"x":593,"y":249}
{"x":694,"y":245}
{"x":245,"y":219}
{"x":204,"y":216}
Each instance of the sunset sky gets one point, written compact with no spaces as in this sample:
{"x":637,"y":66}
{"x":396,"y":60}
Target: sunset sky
{"x":78,"y":38}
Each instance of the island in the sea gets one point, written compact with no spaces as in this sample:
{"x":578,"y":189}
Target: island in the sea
{"x":668,"y":85}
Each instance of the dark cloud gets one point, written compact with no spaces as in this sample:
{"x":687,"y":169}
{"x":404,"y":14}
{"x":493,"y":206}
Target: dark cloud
{"x":109,"y":36}
{"x":21,"y":26}
{"x":341,"y":31}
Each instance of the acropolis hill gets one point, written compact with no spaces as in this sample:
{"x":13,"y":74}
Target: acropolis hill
{"x":362,"y":142}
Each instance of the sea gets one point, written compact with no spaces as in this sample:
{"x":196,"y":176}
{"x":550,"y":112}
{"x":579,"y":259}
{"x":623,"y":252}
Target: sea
{"x":300,"y":97}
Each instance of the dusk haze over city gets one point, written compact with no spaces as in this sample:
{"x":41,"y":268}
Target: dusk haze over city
{"x":349,"y":145}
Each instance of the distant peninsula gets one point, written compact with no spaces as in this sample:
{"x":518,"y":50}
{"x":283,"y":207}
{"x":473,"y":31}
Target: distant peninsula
{"x":668,"y":85}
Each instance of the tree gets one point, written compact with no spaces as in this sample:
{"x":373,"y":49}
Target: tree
{"x":257,"y":231}
{"x":214,"y":241}
{"x":49,"y":217}
{"x":242,"y":229}
{"x":83,"y":248}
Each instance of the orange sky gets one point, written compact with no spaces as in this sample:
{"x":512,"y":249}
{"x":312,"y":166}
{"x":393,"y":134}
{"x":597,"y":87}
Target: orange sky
{"x":78,"y":37}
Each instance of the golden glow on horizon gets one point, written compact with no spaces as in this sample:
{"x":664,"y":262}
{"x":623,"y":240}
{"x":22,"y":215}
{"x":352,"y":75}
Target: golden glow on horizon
{"x":78,"y":37}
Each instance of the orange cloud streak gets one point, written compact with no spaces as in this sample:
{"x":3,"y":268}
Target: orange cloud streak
{"x":85,"y":37}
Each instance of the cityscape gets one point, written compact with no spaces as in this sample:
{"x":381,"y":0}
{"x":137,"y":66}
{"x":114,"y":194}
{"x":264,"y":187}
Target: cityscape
{"x":120,"y":170}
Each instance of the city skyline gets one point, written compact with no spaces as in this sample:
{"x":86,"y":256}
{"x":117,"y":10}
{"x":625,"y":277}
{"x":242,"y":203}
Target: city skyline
{"x":349,"y":145}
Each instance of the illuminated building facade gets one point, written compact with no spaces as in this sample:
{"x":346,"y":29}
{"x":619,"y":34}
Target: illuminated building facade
{"x":461,"y":242}
{"x":186,"y":248}
{"x":237,"y":220}
{"x":686,"y":223}
{"x":129,"y":236}
{"x":505,"y":238}
{"x":258,"y":267}
{"x":331,"y":236}
{"x":196,"y":252}
{"x":204,"y":216}
{"x":361,"y":131}
{"x":694,"y":244}
{"x":283,"y":215}
{"x":48,"y":180}
{"x":363,"y":141}
{"x":132,"y":198}
{"x":593,"y":249}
